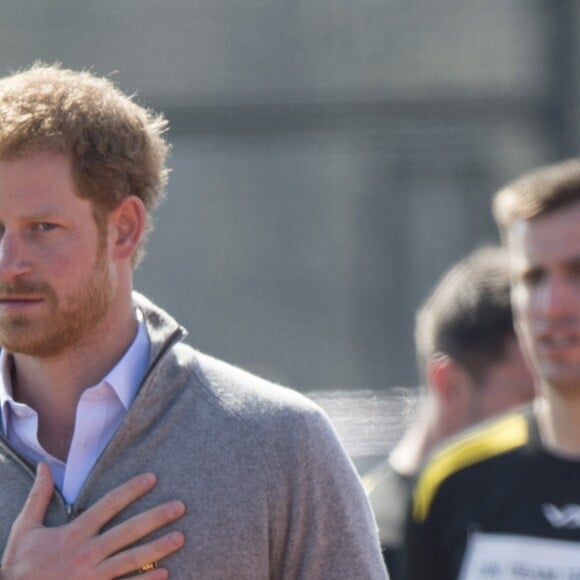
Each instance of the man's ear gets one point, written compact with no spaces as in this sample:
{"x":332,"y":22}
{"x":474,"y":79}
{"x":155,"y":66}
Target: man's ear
{"x":453,"y":388}
{"x":126,"y":227}
{"x":447,"y":379}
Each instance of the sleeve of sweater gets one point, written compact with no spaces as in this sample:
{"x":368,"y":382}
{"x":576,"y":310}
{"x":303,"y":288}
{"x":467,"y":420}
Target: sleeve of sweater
{"x":321,"y":521}
{"x":317,"y":518}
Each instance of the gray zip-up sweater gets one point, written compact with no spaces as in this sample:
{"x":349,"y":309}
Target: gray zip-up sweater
{"x":270,"y":493}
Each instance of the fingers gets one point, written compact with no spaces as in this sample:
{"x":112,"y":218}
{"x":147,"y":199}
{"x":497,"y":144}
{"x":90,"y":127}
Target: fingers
{"x":132,"y":559}
{"x":138,"y":527}
{"x":36,"y":504}
{"x":114,"y":502}
{"x":79,"y":547}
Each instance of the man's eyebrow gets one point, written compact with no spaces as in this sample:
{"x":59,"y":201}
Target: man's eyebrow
{"x":573,"y":262}
{"x":529,"y":271}
{"x":45,"y":214}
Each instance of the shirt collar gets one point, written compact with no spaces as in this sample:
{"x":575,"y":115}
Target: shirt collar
{"x":124,"y":378}
{"x":5,"y":386}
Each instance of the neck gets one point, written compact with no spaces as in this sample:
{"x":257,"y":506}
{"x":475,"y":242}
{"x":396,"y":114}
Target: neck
{"x":559,"y":423}
{"x":417,"y":442}
{"x":53,"y":386}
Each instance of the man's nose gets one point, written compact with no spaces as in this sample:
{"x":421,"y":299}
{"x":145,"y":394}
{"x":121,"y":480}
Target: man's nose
{"x":556,"y":296}
{"x":13,"y":260}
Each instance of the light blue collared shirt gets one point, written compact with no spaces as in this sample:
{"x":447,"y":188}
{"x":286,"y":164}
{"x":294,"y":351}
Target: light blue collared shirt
{"x":100,"y":412}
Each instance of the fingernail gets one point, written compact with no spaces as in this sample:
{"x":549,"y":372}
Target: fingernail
{"x":176,"y":508}
{"x":176,"y":538}
{"x":148,"y":478}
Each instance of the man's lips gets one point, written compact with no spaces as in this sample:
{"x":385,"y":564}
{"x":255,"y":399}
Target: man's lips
{"x":19,"y":300}
{"x":558,"y":341}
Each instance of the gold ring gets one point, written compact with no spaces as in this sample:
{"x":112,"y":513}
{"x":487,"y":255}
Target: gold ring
{"x":147,"y":567}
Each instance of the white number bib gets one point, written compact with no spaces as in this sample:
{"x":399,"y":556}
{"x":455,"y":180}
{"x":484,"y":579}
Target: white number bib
{"x":508,"y":557}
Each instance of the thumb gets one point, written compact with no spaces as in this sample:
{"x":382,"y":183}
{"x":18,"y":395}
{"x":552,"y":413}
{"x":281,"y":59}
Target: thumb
{"x":36,"y":504}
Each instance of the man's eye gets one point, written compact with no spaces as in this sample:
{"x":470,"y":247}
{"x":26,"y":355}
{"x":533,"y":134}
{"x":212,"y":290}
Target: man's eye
{"x":532,"y":277}
{"x":575,"y":271}
{"x":43,"y":227}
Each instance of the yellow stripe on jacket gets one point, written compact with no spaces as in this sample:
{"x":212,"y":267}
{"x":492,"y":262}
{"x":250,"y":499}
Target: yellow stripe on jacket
{"x":482,"y":443}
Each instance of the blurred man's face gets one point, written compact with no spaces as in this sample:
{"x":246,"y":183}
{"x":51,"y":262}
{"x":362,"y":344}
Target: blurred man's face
{"x":507,"y":384}
{"x":545,"y":262}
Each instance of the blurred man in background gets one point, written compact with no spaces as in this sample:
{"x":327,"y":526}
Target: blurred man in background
{"x":503,"y":501}
{"x":472,"y":366}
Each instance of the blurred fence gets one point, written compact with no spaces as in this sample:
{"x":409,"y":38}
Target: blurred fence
{"x":369,"y":423}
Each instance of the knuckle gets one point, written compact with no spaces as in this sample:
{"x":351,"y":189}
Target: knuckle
{"x":110,"y":502}
{"x":16,"y":524}
{"x":83,"y":558}
{"x":34,"y":496}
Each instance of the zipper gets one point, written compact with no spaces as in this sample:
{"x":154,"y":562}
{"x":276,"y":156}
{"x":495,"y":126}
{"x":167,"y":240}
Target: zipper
{"x":72,"y":510}
{"x":69,"y":509}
